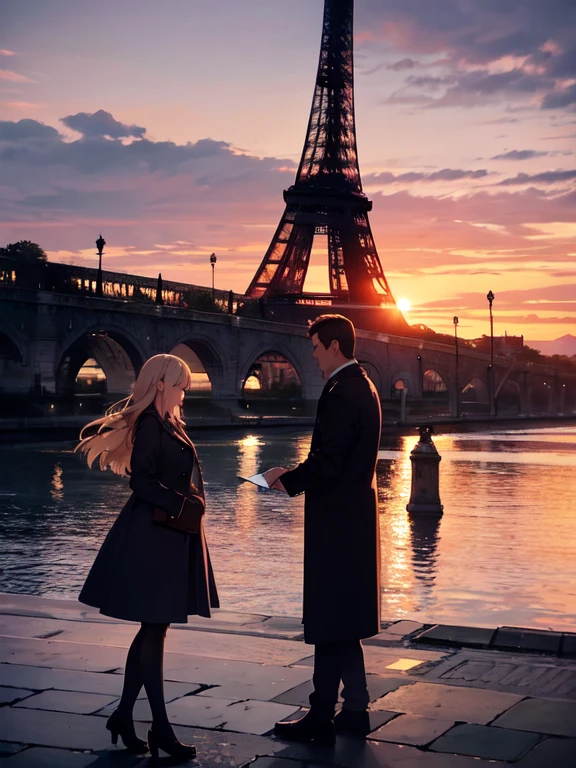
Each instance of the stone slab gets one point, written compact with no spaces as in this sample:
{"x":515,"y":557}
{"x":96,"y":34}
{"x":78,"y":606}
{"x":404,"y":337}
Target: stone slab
{"x":484,"y":741}
{"x":222,"y":673}
{"x":40,"y":757}
{"x":254,"y":717}
{"x":446,"y":702}
{"x":512,"y":673}
{"x":216,"y":749}
{"x":568,"y":647}
{"x":555,"y":718}
{"x":378,"y":659}
{"x":264,"y":685}
{"x":378,"y":686}
{"x":403,"y":628}
{"x":281,"y":623}
{"x":9,"y":695}
{"x":67,"y":701}
{"x":8,"y":748}
{"x":43,"y":678}
{"x":551,"y":753}
{"x":532,"y":640}
{"x":451,"y":635}
{"x":53,"y":729}
{"x":360,"y":753}
{"x":28,"y":626}
{"x":61,"y":655}
{"x":414,"y":730}
{"x":217,"y":645}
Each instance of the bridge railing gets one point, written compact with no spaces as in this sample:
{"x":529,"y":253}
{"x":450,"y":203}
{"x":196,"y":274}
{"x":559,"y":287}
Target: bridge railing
{"x":75,"y":280}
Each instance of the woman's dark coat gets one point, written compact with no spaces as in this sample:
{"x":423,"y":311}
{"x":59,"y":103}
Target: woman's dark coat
{"x":341,"y":528}
{"x":144,"y":570}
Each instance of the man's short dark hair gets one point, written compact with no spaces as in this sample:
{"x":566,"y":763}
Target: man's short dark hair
{"x":335,"y":327}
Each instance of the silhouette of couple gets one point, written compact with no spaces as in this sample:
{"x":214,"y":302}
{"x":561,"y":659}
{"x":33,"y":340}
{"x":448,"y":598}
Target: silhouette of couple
{"x":154,"y":565}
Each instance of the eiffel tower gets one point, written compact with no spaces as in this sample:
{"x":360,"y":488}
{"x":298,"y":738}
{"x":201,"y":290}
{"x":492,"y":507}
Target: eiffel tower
{"x":327,"y":199}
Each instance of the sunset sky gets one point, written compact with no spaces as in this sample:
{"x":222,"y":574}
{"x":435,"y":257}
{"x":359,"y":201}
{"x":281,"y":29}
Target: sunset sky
{"x":173,"y":127}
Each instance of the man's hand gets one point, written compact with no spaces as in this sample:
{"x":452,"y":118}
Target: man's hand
{"x":272,"y":476}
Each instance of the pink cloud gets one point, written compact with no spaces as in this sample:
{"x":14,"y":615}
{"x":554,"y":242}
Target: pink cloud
{"x":14,"y":77}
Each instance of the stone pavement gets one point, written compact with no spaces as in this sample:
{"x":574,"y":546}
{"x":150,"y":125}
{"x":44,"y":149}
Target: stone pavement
{"x":441,"y":697}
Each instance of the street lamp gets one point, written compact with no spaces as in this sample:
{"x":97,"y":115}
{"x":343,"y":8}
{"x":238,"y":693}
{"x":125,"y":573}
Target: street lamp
{"x":100,"y":243}
{"x":455,"y":321}
{"x":213,"y":264}
{"x":490,"y":297}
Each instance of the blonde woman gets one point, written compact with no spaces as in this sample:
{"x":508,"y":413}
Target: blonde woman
{"x":146,"y":571}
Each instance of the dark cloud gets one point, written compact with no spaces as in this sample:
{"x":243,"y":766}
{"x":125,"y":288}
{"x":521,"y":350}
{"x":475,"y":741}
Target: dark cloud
{"x":403,"y":64}
{"x":546,"y":177}
{"x":108,"y":179}
{"x":101,"y":124}
{"x":97,"y":154}
{"x":537,"y":35}
{"x":428,"y":82}
{"x":559,"y":99}
{"x":478,"y":86}
{"x":26,"y":129}
{"x":564,"y":65}
{"x":520,"y":154}
{"x":446,"y":174}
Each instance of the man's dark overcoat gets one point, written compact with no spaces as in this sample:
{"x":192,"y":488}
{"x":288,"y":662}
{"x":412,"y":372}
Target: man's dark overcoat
{"x":145,"y":571}
{"x":341,"y":528}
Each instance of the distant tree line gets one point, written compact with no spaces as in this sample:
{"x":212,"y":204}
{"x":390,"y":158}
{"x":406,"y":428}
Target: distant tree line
{"x":25,"y":251}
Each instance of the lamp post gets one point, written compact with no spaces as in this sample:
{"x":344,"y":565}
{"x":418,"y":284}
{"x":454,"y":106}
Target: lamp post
{"x":100,"y":243}
{"x":457,"y":409}
{"x":213,"y":264}
{"x":490,"y":297}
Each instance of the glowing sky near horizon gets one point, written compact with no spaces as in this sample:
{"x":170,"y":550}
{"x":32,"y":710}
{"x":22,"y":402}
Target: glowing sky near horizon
{"x":173,"y":128}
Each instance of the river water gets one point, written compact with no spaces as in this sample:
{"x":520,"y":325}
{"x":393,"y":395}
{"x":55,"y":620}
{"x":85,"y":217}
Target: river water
{"x":503,"y":553}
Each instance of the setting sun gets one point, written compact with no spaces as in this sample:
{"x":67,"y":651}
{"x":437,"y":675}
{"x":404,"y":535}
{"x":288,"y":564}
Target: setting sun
{"x":404,"y":305}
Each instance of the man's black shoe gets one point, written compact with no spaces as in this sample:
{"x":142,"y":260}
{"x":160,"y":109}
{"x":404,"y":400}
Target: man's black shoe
{"x":309,"y":729}
{"x":349,"y":721}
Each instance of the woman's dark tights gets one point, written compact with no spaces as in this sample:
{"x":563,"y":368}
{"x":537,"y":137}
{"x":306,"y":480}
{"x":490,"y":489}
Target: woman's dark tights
{"x":144,"y":667}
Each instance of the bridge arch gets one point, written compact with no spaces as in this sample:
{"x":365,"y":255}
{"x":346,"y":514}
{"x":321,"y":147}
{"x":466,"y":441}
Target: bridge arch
{"x":509,"y":397}
{"x":402,"y":381}
{"x":203,"y":356}
{"x":433,"y":383}
{"x":273,"y":372}
{"x":373,"y":370}
{"x":475,"y":391}
{"x":10,"y":350}
{"x":14,"y":374}
{"x":109,"y":350}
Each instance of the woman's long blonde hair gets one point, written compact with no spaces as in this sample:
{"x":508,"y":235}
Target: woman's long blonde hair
{"x":114,"y":440}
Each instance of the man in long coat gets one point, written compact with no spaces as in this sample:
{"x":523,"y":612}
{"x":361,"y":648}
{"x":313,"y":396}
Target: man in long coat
{"x":341,"y":535}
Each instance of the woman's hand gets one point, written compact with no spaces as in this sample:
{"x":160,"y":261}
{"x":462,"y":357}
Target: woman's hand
{"x":272,"y":478}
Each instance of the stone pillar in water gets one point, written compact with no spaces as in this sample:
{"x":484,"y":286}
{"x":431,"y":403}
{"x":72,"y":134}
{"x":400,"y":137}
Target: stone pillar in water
{"x":425,"y":493}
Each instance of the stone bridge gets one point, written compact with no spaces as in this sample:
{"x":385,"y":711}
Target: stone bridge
{"x":46,"y":338}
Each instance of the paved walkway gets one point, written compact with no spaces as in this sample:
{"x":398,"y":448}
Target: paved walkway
{"x":437,"y":701}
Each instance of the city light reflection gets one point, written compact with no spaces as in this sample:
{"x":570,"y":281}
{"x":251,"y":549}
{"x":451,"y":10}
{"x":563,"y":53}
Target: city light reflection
{"x":56,"y":483}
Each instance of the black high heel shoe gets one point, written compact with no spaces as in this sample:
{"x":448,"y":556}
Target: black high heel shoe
{"x":125,"y":729}
{"x":171,"y":746}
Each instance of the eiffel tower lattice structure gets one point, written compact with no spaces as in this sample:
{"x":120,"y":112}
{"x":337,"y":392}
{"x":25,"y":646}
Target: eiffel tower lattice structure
{"x":327,"y":198}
